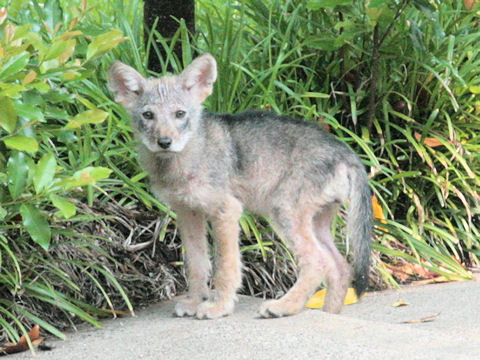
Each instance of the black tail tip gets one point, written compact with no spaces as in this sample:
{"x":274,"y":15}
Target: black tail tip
{"x":360,"y":285}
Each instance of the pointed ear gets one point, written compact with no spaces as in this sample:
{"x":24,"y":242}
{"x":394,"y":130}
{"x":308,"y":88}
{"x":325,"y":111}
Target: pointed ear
{"x":125,"y":83}
{"x":199,"y":76}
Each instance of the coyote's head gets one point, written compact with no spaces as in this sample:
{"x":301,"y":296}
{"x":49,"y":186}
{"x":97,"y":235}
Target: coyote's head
{"x":165,"y":111}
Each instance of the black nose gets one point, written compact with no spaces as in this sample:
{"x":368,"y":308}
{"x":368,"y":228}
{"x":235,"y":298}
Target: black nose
{"x":164,"y":142}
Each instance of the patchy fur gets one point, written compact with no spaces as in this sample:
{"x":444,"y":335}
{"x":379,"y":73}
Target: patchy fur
{"x":213,"y":166}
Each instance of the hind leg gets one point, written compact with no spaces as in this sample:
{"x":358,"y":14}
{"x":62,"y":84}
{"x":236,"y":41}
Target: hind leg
{"x":339,"y":276}
{"x":314,"y":262}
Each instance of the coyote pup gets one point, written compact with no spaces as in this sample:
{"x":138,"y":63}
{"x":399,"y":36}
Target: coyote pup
{"x":210,"y":166}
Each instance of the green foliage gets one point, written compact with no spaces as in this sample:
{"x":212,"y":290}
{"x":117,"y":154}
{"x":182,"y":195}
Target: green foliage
{"x":38,"y":67}
{"x":46,"y":158}
{"x":315,"y":60}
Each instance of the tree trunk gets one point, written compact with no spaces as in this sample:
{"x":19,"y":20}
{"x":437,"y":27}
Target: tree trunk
{"x":167,"y":11}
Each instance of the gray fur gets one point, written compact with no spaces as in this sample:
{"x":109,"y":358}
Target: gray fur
{"x":219,"y":164}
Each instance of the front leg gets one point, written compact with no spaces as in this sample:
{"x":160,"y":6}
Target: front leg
{"x":228,"y":275}
{"x":192,"y":226}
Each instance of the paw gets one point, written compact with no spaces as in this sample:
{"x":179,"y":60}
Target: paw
{"x":187,"y":307}
{"x":333,"y":307}
{"x":334,"y":301}
{"x":335,"y":297}
{"x":279,"y":308}
{"x":214,"y":309}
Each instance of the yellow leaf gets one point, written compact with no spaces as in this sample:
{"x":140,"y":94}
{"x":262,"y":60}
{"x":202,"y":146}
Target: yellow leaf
{"x":378,"y":212}
{"x":318,"y":299}
{"x":29,"y":77}
{"x":377,"y":209}
{"x":68,"y":51}
{"x":9,"y":32}
{"x":69,"y":34}
{"x":399,"y":303}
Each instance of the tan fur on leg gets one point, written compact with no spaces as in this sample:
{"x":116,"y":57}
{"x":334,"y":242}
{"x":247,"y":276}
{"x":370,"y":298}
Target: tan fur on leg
{"x":314,"y":262}
{"x":339,"y":276}
{"x":228,"y":276}
{"x":192,"y":227}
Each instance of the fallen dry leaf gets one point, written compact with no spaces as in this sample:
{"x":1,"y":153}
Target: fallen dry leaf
{"x":326,"y":127}
{"x":318,"y":299}
{"x":434,"y":280}
{"x":116,"y":312}
{"x":404,"y":270}
{"x":432,"y":142}
{"x":421,"y":320}
{"x":469,"y":4}
{"x":400,"y":302}
{"x":22,"y":345}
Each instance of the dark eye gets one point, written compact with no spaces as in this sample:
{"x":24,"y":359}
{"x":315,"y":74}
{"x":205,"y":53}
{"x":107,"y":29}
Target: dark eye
{"x":180,"y":114}
{"x":148,"y":115}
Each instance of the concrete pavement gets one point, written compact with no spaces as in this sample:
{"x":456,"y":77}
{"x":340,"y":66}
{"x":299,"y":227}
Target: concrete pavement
{"x":370,"y":329}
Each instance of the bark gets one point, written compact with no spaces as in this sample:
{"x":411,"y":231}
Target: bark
{"x":167,"y":11}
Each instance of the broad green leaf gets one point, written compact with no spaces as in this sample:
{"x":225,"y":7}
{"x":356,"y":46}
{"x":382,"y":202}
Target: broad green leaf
{"x":36,"y":225}
{"x":15,"y":6}
{"x":40,"y":86}
{"x":474,"y":89}
{"x":382,"y":14}
{"x":29,"y":112}
{"x":14,"y":65}
{"x":96,"y":173}
{"x":44,"y":172}
{"x":17,"y":172}
{"x":67,"y":209}
{"x":21,"y":143}
{"x":49,"y":65}
{"x":374,"y":13}
{"x":35,"y":40}
{"x":26,"y":128}
{"x":55,"y":50}
{"x":22,"y":31}
{"x":12,"y":90}
{"x":73,"y":182}
{"x":87,"y":176}
{"x":8,"y":115}
{"x":318,"y":4}
{"x":105,"y":42}
{"x":3,"y":213}
{"x":87,"y":117}
{"x":377,"y":3}
{"x":53,"y":13}
{"x":425,"y":6}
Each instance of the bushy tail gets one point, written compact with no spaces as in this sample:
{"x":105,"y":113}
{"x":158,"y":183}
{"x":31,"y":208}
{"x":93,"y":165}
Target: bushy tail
{"x":359,"y":225}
